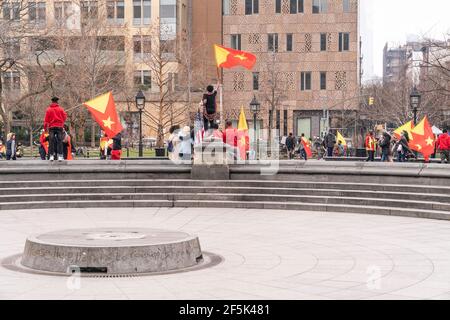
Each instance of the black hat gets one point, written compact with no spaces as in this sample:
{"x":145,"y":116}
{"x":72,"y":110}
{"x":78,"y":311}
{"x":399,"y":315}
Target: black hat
{"x":55,"y":99}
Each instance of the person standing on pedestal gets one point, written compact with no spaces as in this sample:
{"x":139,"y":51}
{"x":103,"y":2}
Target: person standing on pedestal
{"x":209,"y":106}
{"x":55,"y":117}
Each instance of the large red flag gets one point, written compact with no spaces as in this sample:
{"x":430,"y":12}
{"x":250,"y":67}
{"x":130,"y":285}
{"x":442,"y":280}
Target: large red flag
{"x":228,"y":58}
{"x":103,"y":110}
{"x":423,"y":139}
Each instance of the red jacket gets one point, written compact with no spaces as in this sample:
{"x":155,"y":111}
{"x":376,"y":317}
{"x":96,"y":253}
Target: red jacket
{"x":54,"y":117}
{"x":443,"y":142}
{"x":370,"y":143}
{"x":230,"y":137}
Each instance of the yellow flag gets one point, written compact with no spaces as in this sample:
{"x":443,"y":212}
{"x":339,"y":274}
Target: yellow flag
{"x":340,"y":138}
{"x":242,"y":120}
{"x":408,"y":127}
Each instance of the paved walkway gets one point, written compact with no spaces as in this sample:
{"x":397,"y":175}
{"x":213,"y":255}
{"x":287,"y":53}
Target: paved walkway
{"x":267,"y":255}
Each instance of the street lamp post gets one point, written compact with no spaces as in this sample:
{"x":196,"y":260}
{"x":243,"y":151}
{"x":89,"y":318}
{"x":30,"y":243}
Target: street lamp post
{"x":255,"y":106}
{"x":414,"y":99}
{"x":140,"y":105}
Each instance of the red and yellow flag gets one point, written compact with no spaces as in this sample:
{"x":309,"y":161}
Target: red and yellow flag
{"x":103,"y":110}
{"x":243,"y":140}
{"x":307,"y":146}
{"x":228,"y":58}
{"x":406,"y":127}
{"x":423,"y":139}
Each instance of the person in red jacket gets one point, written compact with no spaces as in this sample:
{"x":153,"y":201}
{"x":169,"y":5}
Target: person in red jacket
{"x":55,"y":116}
{"x":443,"y":144}
{"x":370,"y":146}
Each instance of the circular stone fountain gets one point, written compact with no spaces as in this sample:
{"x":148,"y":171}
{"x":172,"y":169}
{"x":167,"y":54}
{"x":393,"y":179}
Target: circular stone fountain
{"x":111,"y":251}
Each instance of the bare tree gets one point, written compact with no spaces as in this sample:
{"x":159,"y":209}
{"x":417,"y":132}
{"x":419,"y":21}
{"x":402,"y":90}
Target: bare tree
{"x":435,"y":67}
{"x":91,"y":62}
{"x":161,"y":60}
{"x":273,"y":87}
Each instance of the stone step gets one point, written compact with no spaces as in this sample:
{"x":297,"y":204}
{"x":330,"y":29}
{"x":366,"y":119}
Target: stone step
{"x":5,"y":192}
{"x":376,"y":202}
{"x":232,"y":183}
{"x":322,"y":208}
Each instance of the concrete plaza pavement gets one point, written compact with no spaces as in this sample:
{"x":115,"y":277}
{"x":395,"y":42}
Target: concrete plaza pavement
{"x":267,"y":254}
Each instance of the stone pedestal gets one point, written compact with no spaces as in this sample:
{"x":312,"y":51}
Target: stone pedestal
{"x":210,"y":161}
{"x":111,"y":251}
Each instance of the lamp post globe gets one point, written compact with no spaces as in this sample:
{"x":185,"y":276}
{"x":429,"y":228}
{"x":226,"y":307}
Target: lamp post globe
{"x":140,"y":105}
{"x":255,"y":107}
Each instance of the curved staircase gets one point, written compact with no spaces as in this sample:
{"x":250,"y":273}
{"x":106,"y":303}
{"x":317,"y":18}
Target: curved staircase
{"x":423,"y":201}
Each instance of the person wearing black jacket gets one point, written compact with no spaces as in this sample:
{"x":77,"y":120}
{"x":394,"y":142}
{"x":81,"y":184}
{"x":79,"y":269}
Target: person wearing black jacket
{"x":385,"y":145}
{"x":328,"y":142}
{"x":402,"y":147}
{"x":290,"y":145}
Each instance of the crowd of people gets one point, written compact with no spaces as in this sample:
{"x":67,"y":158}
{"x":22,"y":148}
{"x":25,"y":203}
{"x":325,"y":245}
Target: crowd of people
{"x":55,"y":141}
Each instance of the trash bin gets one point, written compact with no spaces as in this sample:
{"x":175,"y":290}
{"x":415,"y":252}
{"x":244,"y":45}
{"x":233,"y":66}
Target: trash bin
{"x":160,"y":152}
{"x":361,"y":153}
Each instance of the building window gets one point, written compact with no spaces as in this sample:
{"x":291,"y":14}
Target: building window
{"x":11,"y":10}
{"x":142,"y":78}
{"x":346,"y":5}
{"x":226,"y":7}
{"x":255,"y":80}
{"x":236,"y":41}
{"x":272,"y":42}
{"x":295,"y":6}
{"x":319,"y":6}
{"x":285,"y":122}
{"x":277,"y":6}
{"x":323,"y":42}
{"x":344,"y":41}
{"x":251,"y":7}
{"x":323,"y":81}
{"x":172,"y":82}
{"x":11,"y":80}
{"x":277,"y":121}
{"x":37,"y":12}
{"x":89,"y":10}
{"x":115,"y":12}
{"x":289,"y":42}
{"x":305,"y":81}
{"x":62,"y":11}
{"x":142,"y":12}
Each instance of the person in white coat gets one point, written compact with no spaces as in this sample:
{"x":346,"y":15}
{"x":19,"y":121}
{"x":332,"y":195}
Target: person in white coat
{"x":185,"y":139}
{"x":173,"y":143}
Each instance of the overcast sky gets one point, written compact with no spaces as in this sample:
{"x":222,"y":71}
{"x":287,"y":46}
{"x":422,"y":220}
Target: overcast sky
{"x":393,"y":20}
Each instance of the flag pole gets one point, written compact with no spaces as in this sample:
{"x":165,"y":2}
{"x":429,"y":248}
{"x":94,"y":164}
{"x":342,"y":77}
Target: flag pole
{"x":220,"y":96}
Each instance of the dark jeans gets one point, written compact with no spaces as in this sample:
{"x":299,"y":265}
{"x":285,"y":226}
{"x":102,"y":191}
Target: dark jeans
{"x":401,"y":157}
{"x":303,"y":154}
{"x":42,"y":153}
{"x":445,"y":155}
{"x":330,"y":152}
{"x":207,"y":124}
{"x":371,"y":156}
{"x":384,"y":157}
{"x":55,"y":141}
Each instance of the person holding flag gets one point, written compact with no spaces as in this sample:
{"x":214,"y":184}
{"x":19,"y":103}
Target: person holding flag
{"x":103,"y":110}
{"x":209,"y":106}
{"x":304,"y":147}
